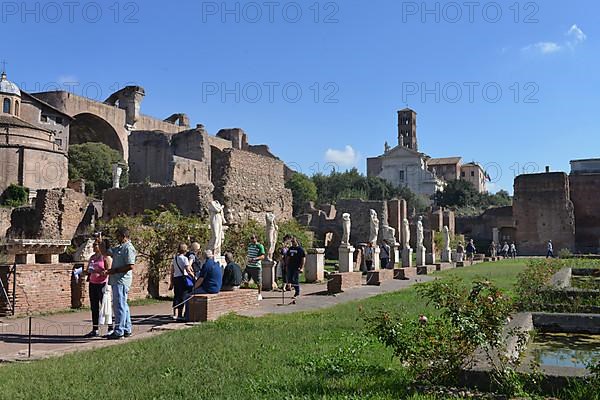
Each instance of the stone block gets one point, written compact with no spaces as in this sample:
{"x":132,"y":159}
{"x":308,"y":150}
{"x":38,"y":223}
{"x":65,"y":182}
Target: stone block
{"x":460,"y":264}
{"x":339,"y":282}
{"x":209,"y":307}
{"x":405,"y":273}
{"x":443,"y":266}
{"x":374,"y":278}
{"x":314,"y":269}
{"x":25,"y":258}
{"x":426,"y":270}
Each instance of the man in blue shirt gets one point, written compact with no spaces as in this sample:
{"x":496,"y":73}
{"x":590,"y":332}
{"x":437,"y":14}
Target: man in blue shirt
{"x":211,"y":276}
{"x":119,"y":278}
{"x":209,"y":280}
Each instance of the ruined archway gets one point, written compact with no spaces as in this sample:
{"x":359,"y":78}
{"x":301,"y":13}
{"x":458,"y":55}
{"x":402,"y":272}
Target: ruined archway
{"x":91,"y":128}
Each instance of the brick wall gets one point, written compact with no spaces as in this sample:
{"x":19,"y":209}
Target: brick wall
{"x":339,"y":282}
{"x":51,"y":287}
{"x":209,"y":307}
{"x":584,"y":194}
{"x":249,"y":185}
{"x":56,"y":215}
{"x":543,"y":211}
{"x":135,"y":199}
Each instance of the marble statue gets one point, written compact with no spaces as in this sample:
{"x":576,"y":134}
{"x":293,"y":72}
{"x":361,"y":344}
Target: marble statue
{"x":217,"y":220}
{"x":117,"y":170}
{"x":405,"y":234}
{"x":374,"y":228}
{"x":420,"y":233}
{"x":446,"y":233}
{"x":346,"y":225}
{"x":272,"y":230}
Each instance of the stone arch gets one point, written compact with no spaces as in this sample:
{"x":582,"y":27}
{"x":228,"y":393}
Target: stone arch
{"x":88,"y":127}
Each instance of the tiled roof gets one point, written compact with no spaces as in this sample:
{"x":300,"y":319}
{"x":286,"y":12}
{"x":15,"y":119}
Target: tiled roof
{"x":444,"y":161}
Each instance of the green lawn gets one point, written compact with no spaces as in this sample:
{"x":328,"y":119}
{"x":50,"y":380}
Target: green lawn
{"x":318,"y":355}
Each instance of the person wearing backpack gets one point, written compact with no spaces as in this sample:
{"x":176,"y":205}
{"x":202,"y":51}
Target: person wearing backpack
{"x":181,"y":277}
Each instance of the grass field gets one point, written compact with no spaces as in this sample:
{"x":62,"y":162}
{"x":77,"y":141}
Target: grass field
{"x":318,"y":355}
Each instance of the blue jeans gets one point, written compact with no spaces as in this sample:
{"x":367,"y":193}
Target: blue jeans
{"x":121,"y":309}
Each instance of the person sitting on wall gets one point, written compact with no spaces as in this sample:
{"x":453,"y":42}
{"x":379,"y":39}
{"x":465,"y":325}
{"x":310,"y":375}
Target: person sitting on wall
{"x":209,"y":281}
{"x":232,"y":275}
{"x":211,"y":276}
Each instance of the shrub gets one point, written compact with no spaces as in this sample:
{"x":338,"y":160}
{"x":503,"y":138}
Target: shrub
{"x":15,"y":196}
{"x":434,"y":351}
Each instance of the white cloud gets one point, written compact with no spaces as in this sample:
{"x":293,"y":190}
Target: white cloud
{"x":575,"y":35}
{"x":348,"y":157}
{"x":543,"y":47}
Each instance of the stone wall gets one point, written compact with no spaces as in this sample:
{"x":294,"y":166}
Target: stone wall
{"x":543,"y":211}
{"x":4,"y":221}
{"x":57,"y":214}
{"x":52,"y":287}
{"x":584,"y":194}
{"x":249,"y":185}
{"x":135,"y":199}
{"x":480,"y":228}
{"x":168,"y":159}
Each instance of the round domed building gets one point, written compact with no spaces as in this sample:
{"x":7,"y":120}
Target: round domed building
{"x":32,"y":153}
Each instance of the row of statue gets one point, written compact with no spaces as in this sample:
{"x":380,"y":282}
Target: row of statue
{"x":389,"y":233}
{"x":217,"y":221}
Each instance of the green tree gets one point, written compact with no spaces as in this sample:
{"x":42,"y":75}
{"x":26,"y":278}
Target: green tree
{"x":14,"y":196}
{"x":93,"y":162}
{"x":156,"y":236}
{"x":458,"y":193}
{"x":303,"y":190}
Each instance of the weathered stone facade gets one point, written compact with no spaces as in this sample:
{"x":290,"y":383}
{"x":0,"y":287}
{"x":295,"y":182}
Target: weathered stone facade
{"x":249,"y":185}
{"x":543,"y":211}
{"x":586,"y":200}
{"x":167,"y":159}
{"x":135,"y":199}
{"x":56,"y":214}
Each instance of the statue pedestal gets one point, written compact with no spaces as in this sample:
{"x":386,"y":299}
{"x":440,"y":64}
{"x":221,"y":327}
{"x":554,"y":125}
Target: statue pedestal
{"x":407,"y":258}
{"x":395,"y":256}
{"x":314,"y":269}
{"x":346,"y":253}
{"x":446,"y":256}
{"x":268,"y":275}
{"x":430,"y":258}
{"x":421,"y":257}
{"x":376,"y":260}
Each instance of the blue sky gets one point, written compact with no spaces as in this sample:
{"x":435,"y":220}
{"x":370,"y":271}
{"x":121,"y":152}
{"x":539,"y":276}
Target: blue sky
{"x":243,"y":64}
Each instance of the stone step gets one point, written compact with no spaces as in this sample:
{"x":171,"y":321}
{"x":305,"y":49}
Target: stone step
{"x":405,"y":273}
{"x":426,"y":270}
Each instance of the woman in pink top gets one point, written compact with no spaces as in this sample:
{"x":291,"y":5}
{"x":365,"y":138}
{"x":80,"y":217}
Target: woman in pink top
{"x":97,"y":267}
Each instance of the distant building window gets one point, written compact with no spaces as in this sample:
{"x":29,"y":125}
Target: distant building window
{"x":401,"y":176}
{"x":472,"y":173}
{"x":59,"y":120}
{"x":6,"y":106}
{"x":17,"y":108}
{"x":44,"y":118}
{"x":58,"y":142}
{"x":462,"y":174}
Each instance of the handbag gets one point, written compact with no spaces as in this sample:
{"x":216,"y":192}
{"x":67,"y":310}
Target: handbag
{"x":189,"y":281}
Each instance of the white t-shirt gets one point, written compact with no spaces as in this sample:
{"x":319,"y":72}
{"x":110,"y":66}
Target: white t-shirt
{"x":180,"y":270}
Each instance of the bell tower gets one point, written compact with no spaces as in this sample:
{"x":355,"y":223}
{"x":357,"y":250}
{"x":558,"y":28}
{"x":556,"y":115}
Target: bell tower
{"x":407,"y":129}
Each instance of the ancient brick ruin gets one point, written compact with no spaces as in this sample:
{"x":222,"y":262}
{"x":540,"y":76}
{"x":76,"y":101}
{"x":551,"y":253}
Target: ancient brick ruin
{"x":547,"y":206}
